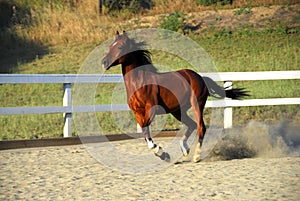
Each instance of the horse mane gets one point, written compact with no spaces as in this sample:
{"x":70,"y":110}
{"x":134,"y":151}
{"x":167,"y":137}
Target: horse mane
{"x":142,"y":55}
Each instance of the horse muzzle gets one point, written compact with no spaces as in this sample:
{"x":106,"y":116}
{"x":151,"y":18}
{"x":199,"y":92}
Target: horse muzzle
{"x":106,"y":64}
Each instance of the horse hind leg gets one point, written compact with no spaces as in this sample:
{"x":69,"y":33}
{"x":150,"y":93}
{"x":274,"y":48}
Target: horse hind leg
{"x":201,"y":133}
{"x":201,"y":130}
{"x":191,"y":126}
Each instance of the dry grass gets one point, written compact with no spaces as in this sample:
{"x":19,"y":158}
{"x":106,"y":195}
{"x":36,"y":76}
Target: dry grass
{"x":63,"y":26}
{"x":53,"y":24}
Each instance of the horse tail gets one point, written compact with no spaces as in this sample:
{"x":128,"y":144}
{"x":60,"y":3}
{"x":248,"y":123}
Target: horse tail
{"x":217,"y":91}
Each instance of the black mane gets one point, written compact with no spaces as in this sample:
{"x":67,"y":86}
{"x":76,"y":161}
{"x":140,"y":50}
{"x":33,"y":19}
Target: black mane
{"x":142,"y":56}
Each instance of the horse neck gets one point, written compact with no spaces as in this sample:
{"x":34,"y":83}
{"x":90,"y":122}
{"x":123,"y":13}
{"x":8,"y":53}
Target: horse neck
{"x":126,"y":68}
{"x":132,"y":67}
{"x":130,"y":81}
{"x":134,"y":61}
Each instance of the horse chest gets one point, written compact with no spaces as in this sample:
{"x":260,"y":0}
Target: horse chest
{"x":137,"y":103}
{"x":140,"y":94}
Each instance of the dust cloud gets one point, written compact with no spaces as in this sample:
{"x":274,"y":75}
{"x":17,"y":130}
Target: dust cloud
{"x":257,"y":139}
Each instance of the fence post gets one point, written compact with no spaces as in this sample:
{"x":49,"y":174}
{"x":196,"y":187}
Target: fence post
{"x":67,"y":101}
{"x":227,"y":110}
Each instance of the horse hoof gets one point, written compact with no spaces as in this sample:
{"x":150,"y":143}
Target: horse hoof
{"x":164,"y":156}
{"x":196,"y":159}
{"x":184,"y":148}
{"x":185,"y":152}
{"x":157,"y":150}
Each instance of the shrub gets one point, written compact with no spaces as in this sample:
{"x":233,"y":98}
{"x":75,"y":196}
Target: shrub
{"x":133,"y":6}
{"x":174,"y":22}
{"x":244,"y":10}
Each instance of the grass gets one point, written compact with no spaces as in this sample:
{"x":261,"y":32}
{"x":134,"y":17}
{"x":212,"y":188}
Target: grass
{"x":61,"y":39}
{"x":247,"y":53}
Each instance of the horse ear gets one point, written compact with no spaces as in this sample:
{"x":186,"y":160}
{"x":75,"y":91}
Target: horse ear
{"x":117,"y":35}
{"x":124,"y":34}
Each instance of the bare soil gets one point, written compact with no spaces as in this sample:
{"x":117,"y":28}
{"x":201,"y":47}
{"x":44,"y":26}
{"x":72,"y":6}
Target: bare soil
{"x":258,"y":18}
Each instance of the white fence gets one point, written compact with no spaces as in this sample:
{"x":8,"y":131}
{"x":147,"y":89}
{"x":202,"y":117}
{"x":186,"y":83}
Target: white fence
{"x":68,"y":79}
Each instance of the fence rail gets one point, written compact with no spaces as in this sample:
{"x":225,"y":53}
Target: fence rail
{"x":68,"y":79}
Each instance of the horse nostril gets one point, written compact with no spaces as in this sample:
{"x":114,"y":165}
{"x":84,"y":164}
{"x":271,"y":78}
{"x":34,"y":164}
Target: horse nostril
{"x":105,"y":63}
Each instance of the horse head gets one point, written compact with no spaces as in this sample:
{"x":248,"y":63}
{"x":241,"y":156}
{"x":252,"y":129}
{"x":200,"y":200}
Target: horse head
{"x":117,"y":51}
{"x":126,"y":50}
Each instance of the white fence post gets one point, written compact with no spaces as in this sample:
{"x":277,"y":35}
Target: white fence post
{"x":227,"y":110}
{"x":67,"y":101}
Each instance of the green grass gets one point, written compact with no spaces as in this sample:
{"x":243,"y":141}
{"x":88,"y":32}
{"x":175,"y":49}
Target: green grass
{"x":57,"y":39}
{"x":253,"y":52}
{"x":258,"y":52}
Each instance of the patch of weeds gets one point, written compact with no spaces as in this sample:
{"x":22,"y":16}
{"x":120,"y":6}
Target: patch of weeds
{"x":223,"y":33}
{"x":174,"y":22}
{"x":244,"y":10}
{"x":244,"y":31}
{"x":282,"y":28}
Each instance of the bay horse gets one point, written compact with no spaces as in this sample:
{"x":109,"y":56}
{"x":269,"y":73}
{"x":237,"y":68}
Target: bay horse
{"x":150,"y":92}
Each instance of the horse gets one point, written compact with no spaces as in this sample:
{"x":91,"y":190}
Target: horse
{"x":151,"y":93}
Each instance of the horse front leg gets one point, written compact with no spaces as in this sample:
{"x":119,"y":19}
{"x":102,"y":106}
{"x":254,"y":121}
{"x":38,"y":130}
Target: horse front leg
{"x":157,"y":150}
{"x":148,"y":139}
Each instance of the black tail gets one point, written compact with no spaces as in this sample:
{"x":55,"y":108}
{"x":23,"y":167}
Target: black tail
{"x":219,"y":92}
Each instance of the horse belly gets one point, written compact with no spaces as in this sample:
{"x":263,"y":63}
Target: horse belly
{"x":174,"y":99}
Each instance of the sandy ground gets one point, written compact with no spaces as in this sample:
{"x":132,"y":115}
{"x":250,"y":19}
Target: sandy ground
{"x":71,"y":173}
